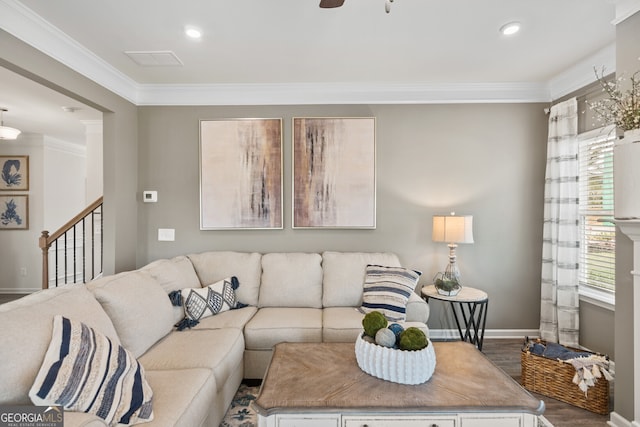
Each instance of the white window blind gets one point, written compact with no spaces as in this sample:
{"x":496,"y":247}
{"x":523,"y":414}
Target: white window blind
{"x":598,"y":234}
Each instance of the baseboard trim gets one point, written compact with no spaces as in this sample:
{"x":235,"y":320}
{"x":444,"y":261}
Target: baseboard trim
{"x":452,"y":334}
{"x":616,"y":420}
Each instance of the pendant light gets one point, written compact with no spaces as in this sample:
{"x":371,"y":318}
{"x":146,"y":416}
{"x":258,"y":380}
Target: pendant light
{"x":5,"y":131}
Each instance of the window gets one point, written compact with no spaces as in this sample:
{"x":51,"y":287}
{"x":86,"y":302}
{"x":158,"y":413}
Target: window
{"x":597,"y":232}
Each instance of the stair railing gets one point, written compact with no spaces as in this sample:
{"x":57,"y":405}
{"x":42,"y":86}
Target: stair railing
{"x":75,"y":254}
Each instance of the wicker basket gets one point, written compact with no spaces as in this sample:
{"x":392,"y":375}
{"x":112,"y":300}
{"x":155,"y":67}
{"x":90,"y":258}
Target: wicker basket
{"x":554,"y":378}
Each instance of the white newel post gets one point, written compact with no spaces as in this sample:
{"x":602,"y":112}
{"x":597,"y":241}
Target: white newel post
{"x":632,"y":229}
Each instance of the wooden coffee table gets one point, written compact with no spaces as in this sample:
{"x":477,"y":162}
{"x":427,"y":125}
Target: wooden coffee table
{"x":321,"y":385}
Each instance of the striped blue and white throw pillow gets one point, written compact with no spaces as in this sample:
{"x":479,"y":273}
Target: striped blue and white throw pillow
{"x":84,"y":371}
{"x":387,"y":290}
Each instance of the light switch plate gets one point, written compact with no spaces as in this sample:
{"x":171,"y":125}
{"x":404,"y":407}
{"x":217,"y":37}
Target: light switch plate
{"x":166,"y":234}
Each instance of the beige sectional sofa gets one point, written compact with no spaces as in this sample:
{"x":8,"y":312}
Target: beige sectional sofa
{"x":194,"y":373}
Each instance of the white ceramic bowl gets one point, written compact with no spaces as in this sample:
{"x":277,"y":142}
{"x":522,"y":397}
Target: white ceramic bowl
{"x":398,"y":366}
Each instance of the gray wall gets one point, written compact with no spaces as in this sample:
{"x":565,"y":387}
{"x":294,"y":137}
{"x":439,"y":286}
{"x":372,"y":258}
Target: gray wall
{"x":120,"y":143}
{"x":627,"y":54}
{"x":596,"y":329}
{"x":486,"y":160}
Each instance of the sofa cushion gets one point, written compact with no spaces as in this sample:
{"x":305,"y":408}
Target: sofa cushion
{"x":138,"y":306}
{"x":229,"y":319}
{"x":344,"y":275}
{"x":27,"y":324}
{"x":216,"y":265}
{"x":182,"y":397}
{"x":291,"y":280}
{"x":80,"y":419}
{"x":220,"y":350}
{"x":174,"y":274}
{"x":341,"y":324}
{"x":85,"y":371}
{"x":387,"y":290}
{"x":272,"y":325}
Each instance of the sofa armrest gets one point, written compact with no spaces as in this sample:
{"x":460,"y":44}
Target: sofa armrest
{"x":80,"y":419}
{"x":417,"y":309}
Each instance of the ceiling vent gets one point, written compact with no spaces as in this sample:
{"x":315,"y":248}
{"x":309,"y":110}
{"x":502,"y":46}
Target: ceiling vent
{"x":157,"y":58}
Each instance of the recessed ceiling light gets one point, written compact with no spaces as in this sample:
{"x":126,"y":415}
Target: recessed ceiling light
{"x":192,"y":32}
{"x":510,"y":28}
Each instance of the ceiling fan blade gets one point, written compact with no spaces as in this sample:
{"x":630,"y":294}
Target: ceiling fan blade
{"x":326,"y":4}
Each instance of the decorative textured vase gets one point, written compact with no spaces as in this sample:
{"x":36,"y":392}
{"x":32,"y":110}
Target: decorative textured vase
{"x":626,"y":175}
{"x":398,"y":366}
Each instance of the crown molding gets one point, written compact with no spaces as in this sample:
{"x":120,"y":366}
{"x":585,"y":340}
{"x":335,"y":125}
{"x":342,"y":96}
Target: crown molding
{"x":25,"y":140}
{"x":582,"y":73}
{"x":341,"y":93}
{"x":23,"y":23}
{"x":26,"y":25}
{"x":625,"y":9}
{"x":44,"y":142}
{"x":59,"y":145}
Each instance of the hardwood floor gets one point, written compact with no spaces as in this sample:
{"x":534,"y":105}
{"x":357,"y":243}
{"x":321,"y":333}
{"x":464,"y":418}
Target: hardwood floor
{"x":506,"y":355}
{"x":9,"y":297}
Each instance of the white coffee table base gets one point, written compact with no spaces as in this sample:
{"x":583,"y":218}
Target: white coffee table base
{"x":389,"y":420}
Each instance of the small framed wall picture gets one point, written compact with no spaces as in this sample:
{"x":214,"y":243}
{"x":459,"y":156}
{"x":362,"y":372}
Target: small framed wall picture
{"x":14,"y":212}
{"x":14,"y":173}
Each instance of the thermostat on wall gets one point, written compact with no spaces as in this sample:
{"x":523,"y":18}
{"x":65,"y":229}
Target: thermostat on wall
{"x":150,"y":196}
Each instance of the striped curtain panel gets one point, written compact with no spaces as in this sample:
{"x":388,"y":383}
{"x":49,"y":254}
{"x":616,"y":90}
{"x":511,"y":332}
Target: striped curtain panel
{"x":559,"y":318}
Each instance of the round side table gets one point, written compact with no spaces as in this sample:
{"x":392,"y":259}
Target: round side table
{"x":472,"y":304}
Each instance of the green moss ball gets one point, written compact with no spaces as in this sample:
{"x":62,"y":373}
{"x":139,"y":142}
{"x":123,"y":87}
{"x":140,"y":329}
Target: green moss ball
{"x":373,"y":322}
{"x":412,"y":339}
{"x":385,"y":337}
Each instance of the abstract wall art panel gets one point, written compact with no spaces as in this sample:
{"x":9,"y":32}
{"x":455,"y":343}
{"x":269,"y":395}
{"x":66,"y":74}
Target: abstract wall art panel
{"x":241,"y":174}
{"x":334,"y":172}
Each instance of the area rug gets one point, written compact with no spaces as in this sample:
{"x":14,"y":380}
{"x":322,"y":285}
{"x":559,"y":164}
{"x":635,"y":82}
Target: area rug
{"x":241,"y":413}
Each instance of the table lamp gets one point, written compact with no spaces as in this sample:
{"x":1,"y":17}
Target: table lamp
{"x":452,"y":229}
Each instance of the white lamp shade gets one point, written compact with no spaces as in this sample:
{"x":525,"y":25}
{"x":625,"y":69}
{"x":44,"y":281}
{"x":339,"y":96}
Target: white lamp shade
{"x":8,"y":133}
{"x":452,"y":228}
